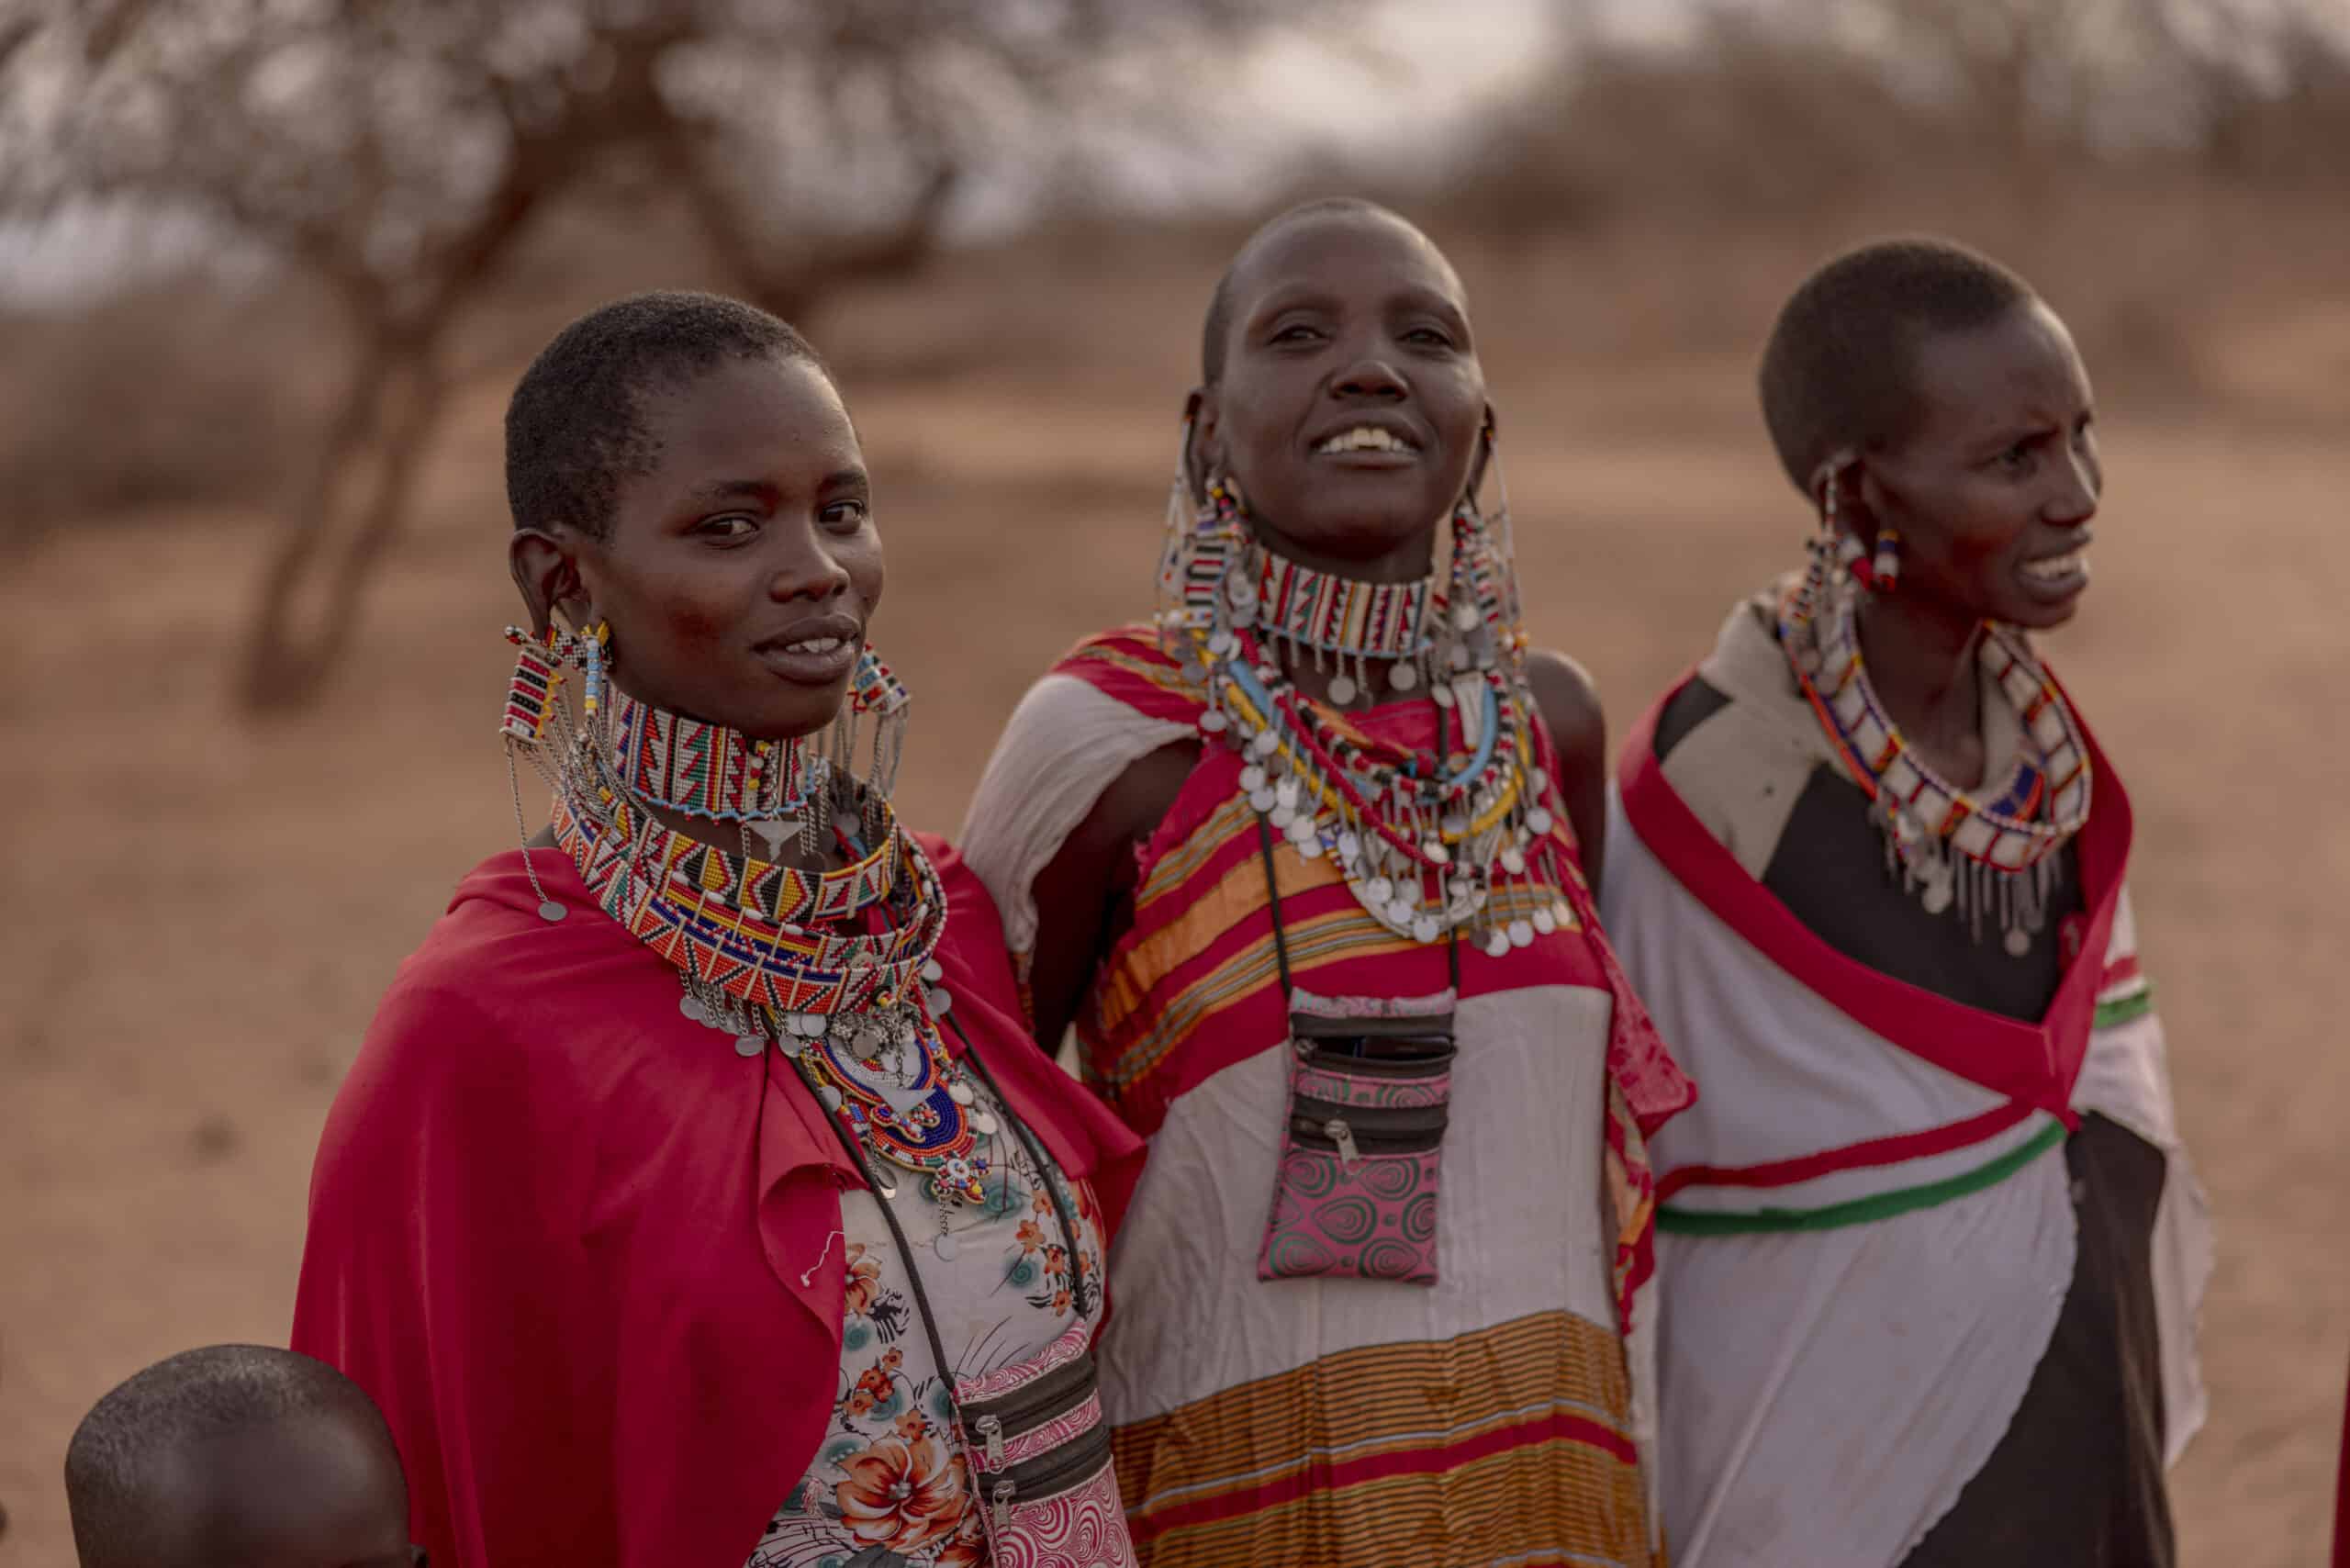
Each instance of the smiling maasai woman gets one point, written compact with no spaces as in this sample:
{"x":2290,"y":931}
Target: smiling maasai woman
{"x":1931,"y":1250}
{"x":1301,"y":860}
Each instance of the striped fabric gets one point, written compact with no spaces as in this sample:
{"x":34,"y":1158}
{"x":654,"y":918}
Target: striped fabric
{"x":1506,"y":1445}
{"x":1490,"y":1419}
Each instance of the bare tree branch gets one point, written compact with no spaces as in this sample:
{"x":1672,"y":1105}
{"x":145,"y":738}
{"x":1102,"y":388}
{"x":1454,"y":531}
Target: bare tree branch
{"x":399,"y":150}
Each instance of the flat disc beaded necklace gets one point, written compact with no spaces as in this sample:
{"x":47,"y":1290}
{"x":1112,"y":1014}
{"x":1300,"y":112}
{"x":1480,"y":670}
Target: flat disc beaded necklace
{"x":1424,"y":841}
{"x":1994,"y":854}
{"x":835,"y":965}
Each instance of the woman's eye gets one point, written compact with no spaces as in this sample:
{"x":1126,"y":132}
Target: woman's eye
{"x":729,"y":528}
{"x":1295,"y":333}
{"x":2017,"y":458}
{"x":847,"y":514}
{"x":1428,"y":337}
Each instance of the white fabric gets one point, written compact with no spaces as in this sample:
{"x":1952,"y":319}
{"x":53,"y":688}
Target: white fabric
{"x":1528,"y":1115}
{"x":2127,"y":1078}
{"x":1828,"y":1393}
{"x":1063,"y":744}
{"x":1782,"y":1072}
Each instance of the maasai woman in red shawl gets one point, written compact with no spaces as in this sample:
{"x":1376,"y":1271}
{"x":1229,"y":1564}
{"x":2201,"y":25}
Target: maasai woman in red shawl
{"x":697,"y":1197}
{"x":1305,"y":861}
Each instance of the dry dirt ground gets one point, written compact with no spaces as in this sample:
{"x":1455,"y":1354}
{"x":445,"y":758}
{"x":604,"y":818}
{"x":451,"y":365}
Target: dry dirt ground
{"x":204,"y":911}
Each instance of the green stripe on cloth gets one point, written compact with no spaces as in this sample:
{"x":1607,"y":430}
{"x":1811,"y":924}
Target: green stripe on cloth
{"x":1860,"y":1211}
{"x":2125,"y":1009}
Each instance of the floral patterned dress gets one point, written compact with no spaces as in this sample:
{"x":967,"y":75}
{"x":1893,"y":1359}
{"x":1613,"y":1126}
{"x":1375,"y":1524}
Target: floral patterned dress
{"x":890,"y":1486}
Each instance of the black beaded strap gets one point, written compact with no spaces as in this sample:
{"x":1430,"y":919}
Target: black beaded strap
{"x":1045,"y":1172}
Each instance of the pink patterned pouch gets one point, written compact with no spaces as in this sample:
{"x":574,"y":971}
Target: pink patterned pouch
{"x":1040,"y":1453}
{"x":1370,"y":1092}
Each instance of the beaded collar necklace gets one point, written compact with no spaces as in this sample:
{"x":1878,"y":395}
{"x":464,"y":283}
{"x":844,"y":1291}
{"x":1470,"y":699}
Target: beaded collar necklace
{"x":705,"y":770}
{"x":836,"y":965}
{"x":1995,"y":853}
{"x":1424,"y":841}
{"x":1332,"y":619}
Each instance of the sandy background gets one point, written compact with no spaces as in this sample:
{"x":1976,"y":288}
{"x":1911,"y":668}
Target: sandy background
{"x":203,"y":910}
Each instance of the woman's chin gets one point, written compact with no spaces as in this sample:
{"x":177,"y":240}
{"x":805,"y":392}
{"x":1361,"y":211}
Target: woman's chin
{"x":778,"y":720}
{"x":2035,"y":614}
{"x":1367,"y":540}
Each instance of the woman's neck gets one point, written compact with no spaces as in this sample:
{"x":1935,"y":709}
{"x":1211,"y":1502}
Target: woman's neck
{"x":723,"y":752}
{"x":1406,"y":561}
{"x":1923,"y":666}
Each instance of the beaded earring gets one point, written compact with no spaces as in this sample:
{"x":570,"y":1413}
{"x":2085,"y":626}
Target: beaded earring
{"x":1884,"y":572}
{"x":1476,"y":621}
{"x":533,"y":699}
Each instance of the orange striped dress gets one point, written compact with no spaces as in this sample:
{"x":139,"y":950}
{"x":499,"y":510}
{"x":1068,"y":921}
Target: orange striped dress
{"x":1500,"y":1415}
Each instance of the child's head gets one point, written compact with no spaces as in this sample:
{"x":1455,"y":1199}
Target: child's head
{"x":242,"y":1455}
{"x":1942,"y":400}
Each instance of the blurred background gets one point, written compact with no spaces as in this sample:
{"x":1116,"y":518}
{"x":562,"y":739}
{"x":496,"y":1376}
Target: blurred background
{"x":268,"y":269}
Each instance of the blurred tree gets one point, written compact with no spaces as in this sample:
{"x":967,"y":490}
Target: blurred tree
{"x":398,"y":149}
{"x":2029,"y":81}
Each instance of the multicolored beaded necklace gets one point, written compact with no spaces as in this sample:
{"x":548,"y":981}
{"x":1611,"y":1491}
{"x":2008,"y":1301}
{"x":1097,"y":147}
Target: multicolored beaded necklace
{"x":1424,"y":841}
{"x":836,"y":965}
{"x":1993,"y":855}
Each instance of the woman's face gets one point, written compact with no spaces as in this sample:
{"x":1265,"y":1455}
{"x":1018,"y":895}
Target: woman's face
{"x":1351,"y":400}
{"x":741,"y":570}
{"x":1994,"y":487}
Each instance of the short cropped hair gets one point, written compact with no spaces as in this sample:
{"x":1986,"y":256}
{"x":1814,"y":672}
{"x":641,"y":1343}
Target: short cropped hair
{"x":125,"y":1442}
{"x":1838,"y":371}
{"x":576,"y":420}
{"x":1217,"y":327}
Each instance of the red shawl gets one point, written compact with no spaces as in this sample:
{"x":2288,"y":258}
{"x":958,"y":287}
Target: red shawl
{"x":586,"y":1256}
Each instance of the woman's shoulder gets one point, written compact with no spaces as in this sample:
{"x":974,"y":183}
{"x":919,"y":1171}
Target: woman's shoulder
{"x":1131,"y":666}
{"x":1569,"y":701}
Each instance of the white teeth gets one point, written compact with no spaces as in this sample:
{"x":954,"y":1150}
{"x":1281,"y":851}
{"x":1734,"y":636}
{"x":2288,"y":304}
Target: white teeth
{"x":2055,"y":567}
{"x":1363,"y":438}
{"x":814,"y":645}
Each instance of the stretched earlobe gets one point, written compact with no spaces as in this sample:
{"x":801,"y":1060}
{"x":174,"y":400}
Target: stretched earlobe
{"x":1199,"y":434}
{"x":547,"y":576}
{"x":1488,"y":433}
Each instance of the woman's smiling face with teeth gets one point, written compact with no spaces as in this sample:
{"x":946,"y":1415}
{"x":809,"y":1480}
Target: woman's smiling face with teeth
{"x":1993,"y":485}
{"x":741,"y":567}
{"x":1350,"y":400}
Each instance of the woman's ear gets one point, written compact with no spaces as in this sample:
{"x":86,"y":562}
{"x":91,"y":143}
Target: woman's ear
{"x":1838,"y":493}
{"x":546,"y":573}
{"x":1866,"y":501}
{"x":1487,"y":435}
{"x":1201,"y":454}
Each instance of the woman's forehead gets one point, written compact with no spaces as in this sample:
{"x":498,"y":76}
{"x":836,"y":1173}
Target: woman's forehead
{"x":774,"y":408}
{"x":1343,"y":254}
{"x":2023,"y":363}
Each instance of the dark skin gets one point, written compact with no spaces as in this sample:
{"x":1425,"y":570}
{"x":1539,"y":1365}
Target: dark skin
{"x":1339,"y":320}
{"x":1992,"y":485}
{"x":726,"y":568}
{"x":306,"y":1492}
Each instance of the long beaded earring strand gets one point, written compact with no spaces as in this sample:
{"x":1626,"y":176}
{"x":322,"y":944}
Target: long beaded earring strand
{"x":533,"y":699}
